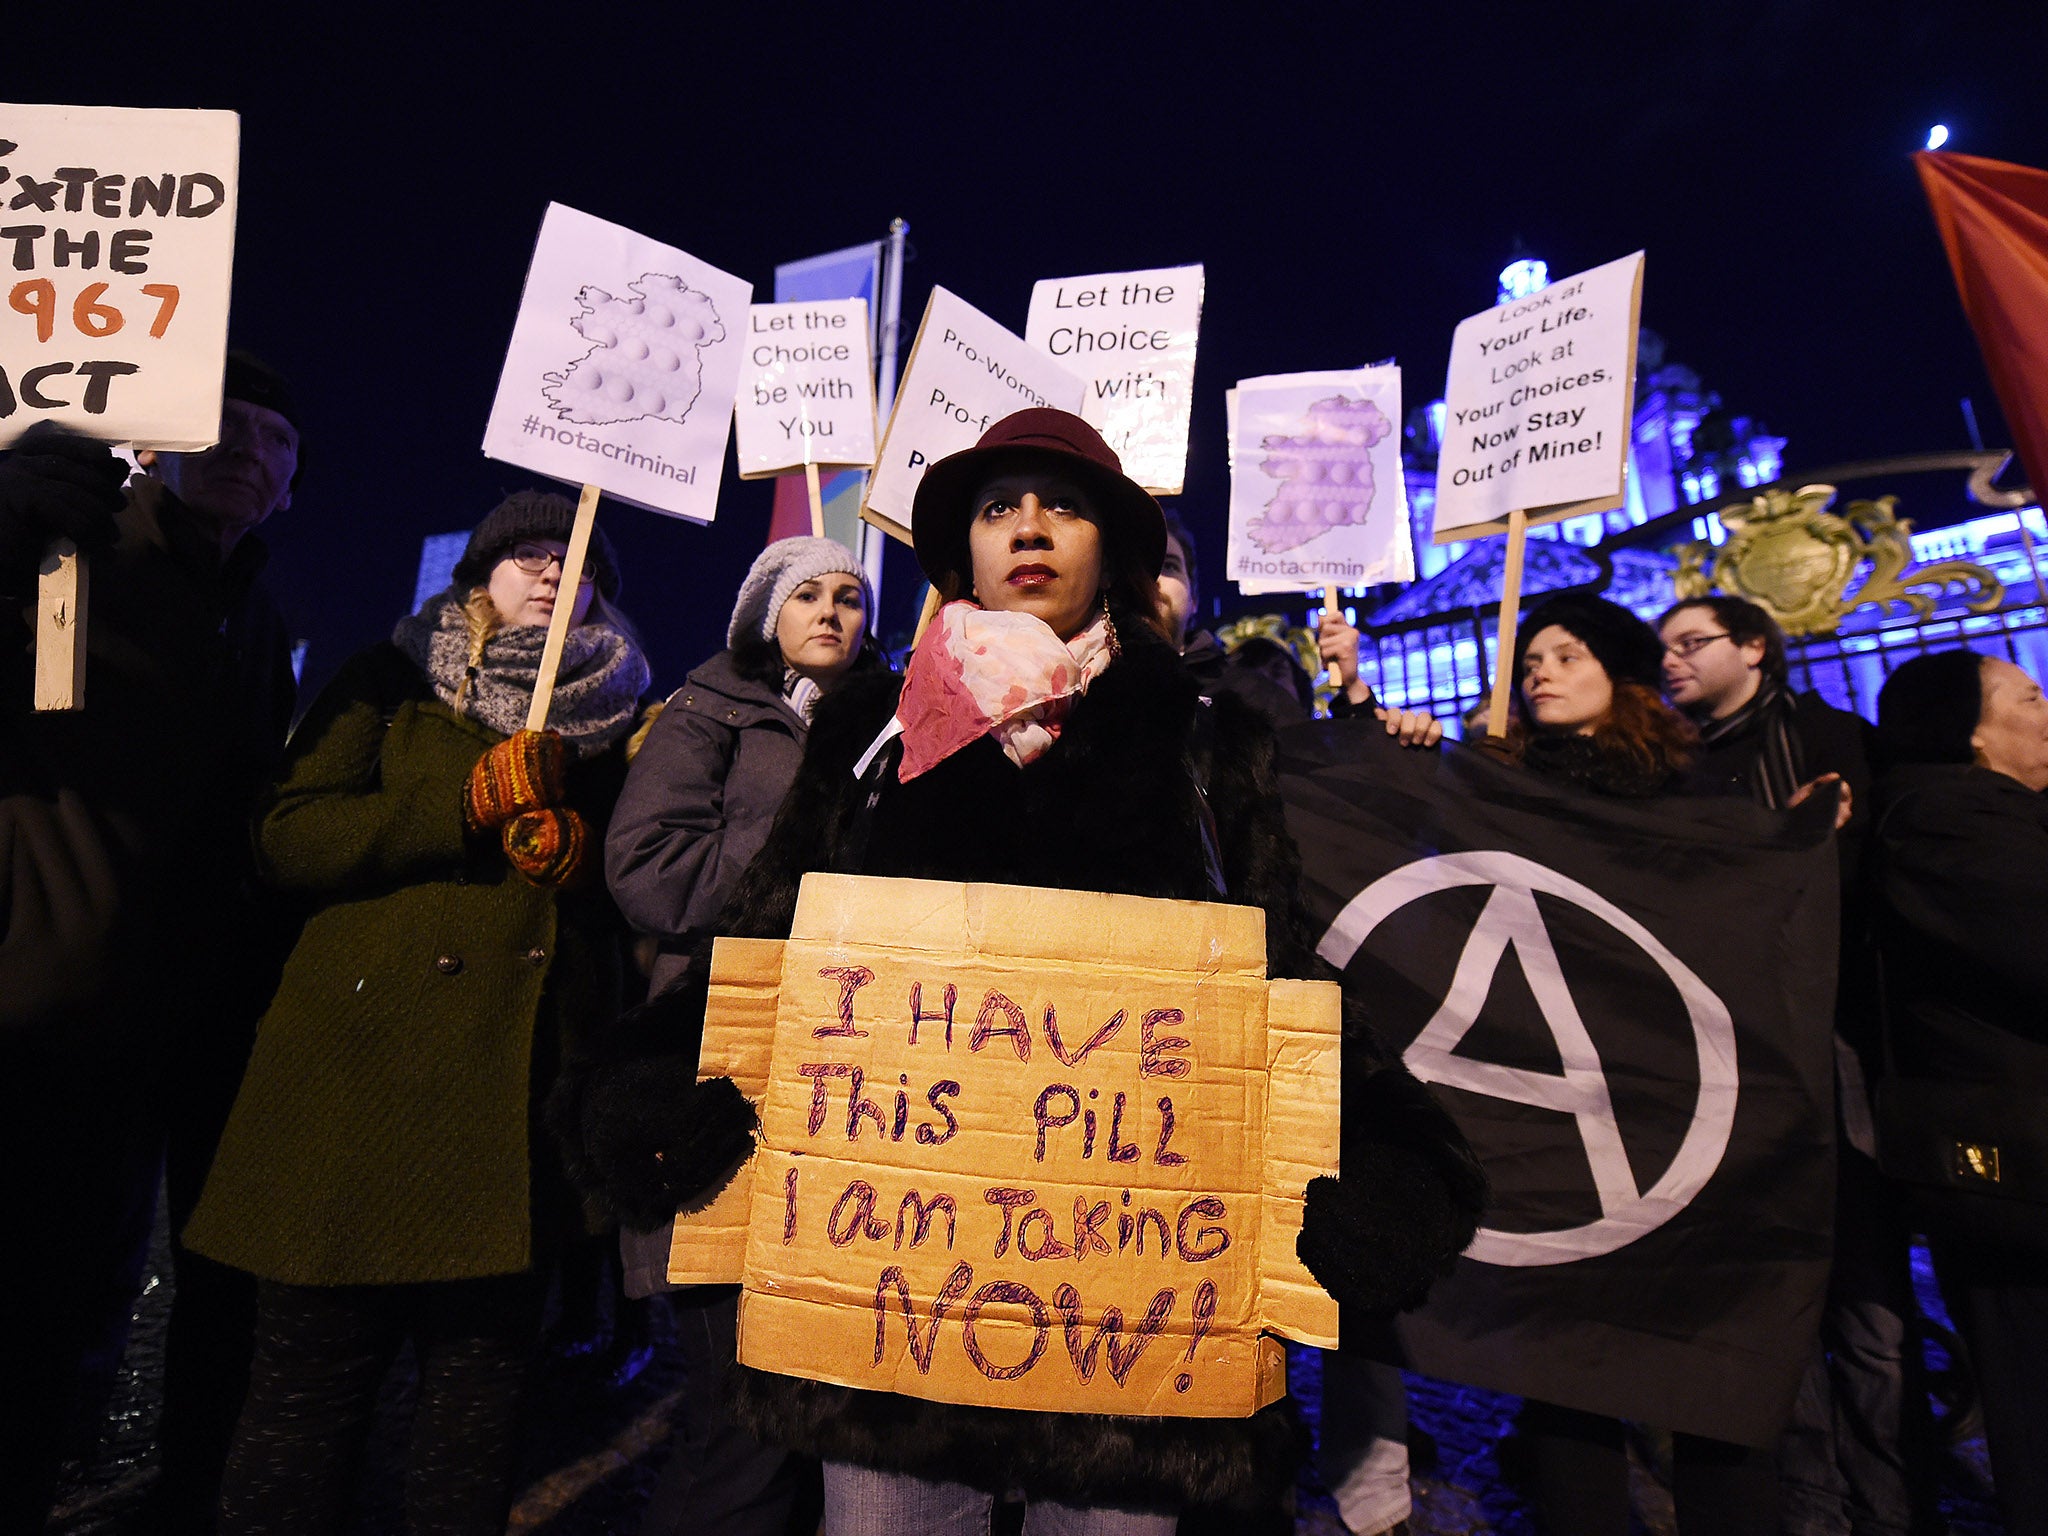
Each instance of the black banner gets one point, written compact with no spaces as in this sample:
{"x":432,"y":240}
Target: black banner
{"x":1627,"y":1007}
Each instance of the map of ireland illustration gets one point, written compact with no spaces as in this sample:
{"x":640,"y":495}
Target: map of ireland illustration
{"x":1325,"y":473}
{"x":645,"y":354}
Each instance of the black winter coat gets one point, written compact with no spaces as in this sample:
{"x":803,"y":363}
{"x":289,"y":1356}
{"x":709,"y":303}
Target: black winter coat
{"x":1958,"y":882}
{"x":697,"y":805}
{"x":131,"y":929}
{"x":1111,"y":807}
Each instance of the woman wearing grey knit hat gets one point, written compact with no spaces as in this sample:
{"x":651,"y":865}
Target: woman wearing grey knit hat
{"x":707,"y":781}
{"x":696,"y":808}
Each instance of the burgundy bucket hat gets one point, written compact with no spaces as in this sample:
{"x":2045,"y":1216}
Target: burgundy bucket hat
{"x":1039,"y":438}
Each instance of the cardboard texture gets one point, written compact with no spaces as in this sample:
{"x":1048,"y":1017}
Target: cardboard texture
{"x":1023,"y":1148}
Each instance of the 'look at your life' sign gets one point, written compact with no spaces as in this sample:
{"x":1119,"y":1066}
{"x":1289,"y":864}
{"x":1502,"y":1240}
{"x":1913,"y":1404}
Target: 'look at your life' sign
{"x":1131,"y":337}
{"x":622,"y":367}
{"x":992,"y":1172}
{"x":1538,"y":403}
{"x":807,"y":391}
{"x":965,"y":374}
{"x":120,"y":245}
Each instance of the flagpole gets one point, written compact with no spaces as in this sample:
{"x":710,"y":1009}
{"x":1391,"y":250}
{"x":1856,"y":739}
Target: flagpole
{"x":1510,"y":615}
{"x":888,"y":336}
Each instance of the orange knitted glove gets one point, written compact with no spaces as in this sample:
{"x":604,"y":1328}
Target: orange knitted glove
{"x":548,"y":846}
{"x":526,"y":771}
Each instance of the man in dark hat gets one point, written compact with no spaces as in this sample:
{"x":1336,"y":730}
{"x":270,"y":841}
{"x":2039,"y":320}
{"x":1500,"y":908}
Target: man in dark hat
{"x":135,"y":953}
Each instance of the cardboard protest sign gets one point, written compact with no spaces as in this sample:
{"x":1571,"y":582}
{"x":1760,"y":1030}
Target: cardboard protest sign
{"x":807,"y":390}
{"x":965,"y":374}
{"x":120,"y":240}
{"x":1131,"y":338}
{"x":622,"y":367}
{"x":1317,"y":498}
{"x":1024,"y":1148}
{"x":1538,"y":404}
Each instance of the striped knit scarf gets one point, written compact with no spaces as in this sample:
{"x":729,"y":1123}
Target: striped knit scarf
{"x":597,"y":690}
{"x":1780,"y":764}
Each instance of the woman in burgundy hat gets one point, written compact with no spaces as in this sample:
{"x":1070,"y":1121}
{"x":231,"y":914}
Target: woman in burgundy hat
{"x":1046,"y":733}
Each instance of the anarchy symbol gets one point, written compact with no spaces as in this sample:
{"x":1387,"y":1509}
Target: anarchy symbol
{"x":1511,"y":918}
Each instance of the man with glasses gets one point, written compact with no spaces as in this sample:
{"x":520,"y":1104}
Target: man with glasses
{"x":1724,"y":666}
{"x":1844,"y":1458}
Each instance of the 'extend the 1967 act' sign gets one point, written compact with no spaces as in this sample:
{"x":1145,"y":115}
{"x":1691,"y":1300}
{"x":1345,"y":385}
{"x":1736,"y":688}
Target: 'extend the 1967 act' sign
{"x":119,"y":249}
{"x":991,"y":1172}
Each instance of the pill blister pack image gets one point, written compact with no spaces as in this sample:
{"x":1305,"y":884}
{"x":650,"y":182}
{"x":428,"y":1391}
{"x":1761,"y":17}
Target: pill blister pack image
{"x":1325,"y":473}
{"x":643,"y":361}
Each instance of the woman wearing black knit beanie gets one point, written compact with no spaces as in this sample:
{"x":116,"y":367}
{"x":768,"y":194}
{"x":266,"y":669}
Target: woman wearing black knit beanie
{"x":1589,"y":714}
{"x":383,"y":1173}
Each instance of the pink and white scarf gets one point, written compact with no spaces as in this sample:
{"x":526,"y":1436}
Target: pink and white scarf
{"x":979,"y":673}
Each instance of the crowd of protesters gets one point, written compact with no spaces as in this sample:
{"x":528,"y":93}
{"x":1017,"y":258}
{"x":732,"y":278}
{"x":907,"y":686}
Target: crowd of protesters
{"x":399,"y":1011}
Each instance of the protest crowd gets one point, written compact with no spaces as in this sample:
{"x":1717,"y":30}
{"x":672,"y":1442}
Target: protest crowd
{"x":408,"y":1012}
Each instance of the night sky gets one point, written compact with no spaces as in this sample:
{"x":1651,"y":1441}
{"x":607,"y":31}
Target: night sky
{"x":1352,"y":176}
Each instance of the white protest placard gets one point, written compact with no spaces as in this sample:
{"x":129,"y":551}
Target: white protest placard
{"x":1131,"y":338}
{"x":965,"y":374}
{"x":807,"y":390}
{"x":622,"y":368}
{"x":119,"y":250}
{"x":1538,"y":404}
{"x":1317,"y":497}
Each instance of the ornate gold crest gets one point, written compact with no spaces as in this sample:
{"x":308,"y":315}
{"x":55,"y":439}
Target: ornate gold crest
{"x":1788,"y":553}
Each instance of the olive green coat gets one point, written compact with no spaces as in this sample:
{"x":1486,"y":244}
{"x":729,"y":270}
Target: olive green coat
{"x":387,"y":1130}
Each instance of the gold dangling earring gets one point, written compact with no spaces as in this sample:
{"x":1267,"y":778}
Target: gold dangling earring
{"x":1116,"y":645}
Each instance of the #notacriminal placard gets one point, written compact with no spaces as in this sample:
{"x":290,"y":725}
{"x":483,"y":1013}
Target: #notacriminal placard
{"x":990,"y":1172}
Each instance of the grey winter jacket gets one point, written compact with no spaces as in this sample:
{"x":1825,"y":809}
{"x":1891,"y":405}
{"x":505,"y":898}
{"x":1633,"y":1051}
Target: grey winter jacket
{"x":697,"y":805}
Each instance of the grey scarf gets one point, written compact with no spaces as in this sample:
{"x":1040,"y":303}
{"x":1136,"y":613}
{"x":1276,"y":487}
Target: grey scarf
{"x":1780,"y":766}
{"x":597,"y":689}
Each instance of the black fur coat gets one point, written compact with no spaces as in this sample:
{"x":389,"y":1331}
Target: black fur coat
{"x":1113,"y":806}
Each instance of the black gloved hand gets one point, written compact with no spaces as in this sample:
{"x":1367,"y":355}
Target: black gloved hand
{"x":55,"y":485}
{"x":656,"y":1139}
{"x":1379,"y":1236}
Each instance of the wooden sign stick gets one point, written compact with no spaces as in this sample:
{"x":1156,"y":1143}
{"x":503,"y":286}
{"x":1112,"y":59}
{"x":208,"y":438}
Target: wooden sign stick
{"x":60,"y":628}
{"x":817,"y":501}
{"x":565,"y":605}
{"x":926,"y":614}
{"x":1510,"y":615}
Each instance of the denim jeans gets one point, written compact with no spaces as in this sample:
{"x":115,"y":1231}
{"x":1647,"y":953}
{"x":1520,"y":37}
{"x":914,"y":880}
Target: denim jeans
{"x":1364,"y":1451}
{"x":1851,"y":1458}
{"x":861,"y":1501}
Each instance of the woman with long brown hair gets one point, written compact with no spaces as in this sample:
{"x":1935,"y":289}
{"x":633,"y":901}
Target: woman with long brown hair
{"x":1588,"y":713}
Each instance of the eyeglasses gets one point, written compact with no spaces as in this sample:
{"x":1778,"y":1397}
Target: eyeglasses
{"x":1691,"y":645}
{"x":532,"y":559}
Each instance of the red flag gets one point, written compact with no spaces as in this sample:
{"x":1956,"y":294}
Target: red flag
{"x":1993,"y":218}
